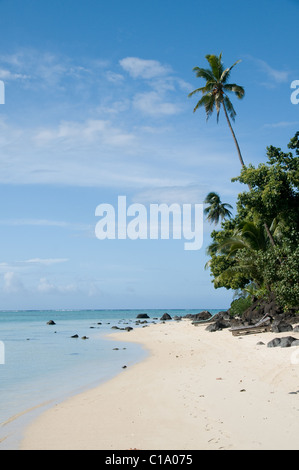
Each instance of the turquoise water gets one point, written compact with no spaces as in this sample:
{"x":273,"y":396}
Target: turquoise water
{"x":44,"y":365}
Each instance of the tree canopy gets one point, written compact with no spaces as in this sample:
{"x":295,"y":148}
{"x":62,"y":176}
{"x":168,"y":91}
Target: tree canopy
{"x":241,"y":254}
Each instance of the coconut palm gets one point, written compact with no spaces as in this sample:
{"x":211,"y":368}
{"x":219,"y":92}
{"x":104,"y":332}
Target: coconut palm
{"x":241,"y":248}
{"x":216,"y":209}
{"x":215,"y":96}
{"x":215,"y":92}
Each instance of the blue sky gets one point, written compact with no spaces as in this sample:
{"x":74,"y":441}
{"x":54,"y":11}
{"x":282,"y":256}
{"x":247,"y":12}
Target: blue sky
{"x":96,"y":107}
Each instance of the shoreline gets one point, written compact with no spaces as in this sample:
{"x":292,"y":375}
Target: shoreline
{"x":195,"y":390}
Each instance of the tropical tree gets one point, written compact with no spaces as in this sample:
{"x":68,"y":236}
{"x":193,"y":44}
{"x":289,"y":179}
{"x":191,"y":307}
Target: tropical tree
{"x":215,"y":96}
{"x":215,"y":92}
{"x":241,"y":254}
{"x":216,"y":210}
{"x":239,"y":247}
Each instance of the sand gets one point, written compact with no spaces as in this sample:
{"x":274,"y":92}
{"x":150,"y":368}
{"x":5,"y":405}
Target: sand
{"x":196,"y":390}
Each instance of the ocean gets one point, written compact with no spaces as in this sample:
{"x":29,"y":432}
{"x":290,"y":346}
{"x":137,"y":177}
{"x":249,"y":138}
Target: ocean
{"x":42,"y":364}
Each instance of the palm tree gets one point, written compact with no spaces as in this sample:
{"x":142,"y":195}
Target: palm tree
{"x":216,"y":209}
{"x":215,"y":96}
{"x":215,"y":92}
{"x":242,"y":247}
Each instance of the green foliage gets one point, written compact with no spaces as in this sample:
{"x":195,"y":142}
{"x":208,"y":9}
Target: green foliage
{"x":216,"y":88}
{"x":283,"y":277}
{"x":238,"y":306}
{"x":241,"y":253}
{"x":216,"y":209}
{"x":274,"y":189}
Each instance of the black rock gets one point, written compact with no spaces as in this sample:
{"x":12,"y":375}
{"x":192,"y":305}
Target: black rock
{"x":142,"y":315}
{"x":166,"y":316}
{"x":296,"y":329}
{"x":295,"y":343}
{"x":281,"y":327}
{"x":75,"y":336}
{"x":205,"y":315}
{"x":128,"y":328}
{"x":51,"y":322}
{"x":274,"y":343}
{"x":223,"y":315}
{"x":218,"y":325}
{"x":287,"y":342}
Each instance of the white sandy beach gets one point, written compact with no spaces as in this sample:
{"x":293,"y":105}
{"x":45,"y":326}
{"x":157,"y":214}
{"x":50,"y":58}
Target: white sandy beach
{"x":196,"y":390}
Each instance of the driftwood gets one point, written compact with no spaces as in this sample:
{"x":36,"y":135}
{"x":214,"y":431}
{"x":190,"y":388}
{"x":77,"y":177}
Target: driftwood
{"x":263,"y":325}
{"x":202,"y":322}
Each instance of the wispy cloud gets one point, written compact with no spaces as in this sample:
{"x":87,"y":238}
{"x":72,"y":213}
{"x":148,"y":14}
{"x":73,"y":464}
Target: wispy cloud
{"x":43,"y":223}
{"x":154,"y":104}
{"x":275,"y":76}
{"x":40,"y":69}
{"x":162,"y":82}
{"x":46,"y":262}
{"x":89,"y":131}
{"x":279,"y":76}
{"x":12,"y":283}
{"x":282,"y":124}
{"x":33,"y":263}
{"x":47,"y":287}
{"x":142,"y":68}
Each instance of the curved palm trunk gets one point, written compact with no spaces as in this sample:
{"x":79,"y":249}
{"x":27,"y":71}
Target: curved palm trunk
{"x":235,"y":139}
{"x":243,"y":165}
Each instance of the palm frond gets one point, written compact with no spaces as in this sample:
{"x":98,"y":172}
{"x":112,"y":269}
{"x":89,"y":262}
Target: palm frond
{"x":208,"y":102}
{"x":226,"y":73}
{"x":216,"y":65}
{"x":204,"y":73}
{"x":209,"y":86}
{"x":212,"y":198}
{"x":237,"y":89}
{"x":230,"y":108}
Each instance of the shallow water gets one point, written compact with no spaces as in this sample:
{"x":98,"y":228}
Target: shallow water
{"x":43,"y":364}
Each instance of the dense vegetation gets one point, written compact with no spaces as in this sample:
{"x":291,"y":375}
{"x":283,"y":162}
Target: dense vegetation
{"x":256,"y":253}
{"x":242,"y":255}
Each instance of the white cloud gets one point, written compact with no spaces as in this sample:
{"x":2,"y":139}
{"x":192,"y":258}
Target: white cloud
{"x":281,"y":124}
{"x":43,"y":223}
{"x":46,"y":287}
{"x":7,"y":75}
{"x":41,"y":69}
{"x":192,"y":194}
{"x":141,"y":68}
{"x":114,"y":77}
{"x":152,"y":103}
{"x":12,"y":283}
{"x":30,"y":263}
{"x":46,"y":262}
{"x":276,"y":76}
{"x":279,"y":76}
{"x":83,"y":133}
